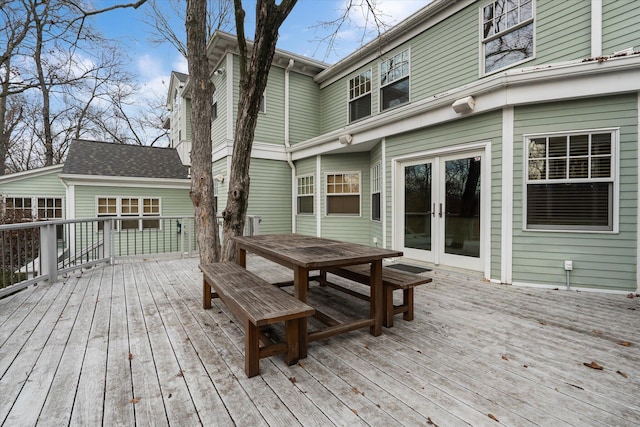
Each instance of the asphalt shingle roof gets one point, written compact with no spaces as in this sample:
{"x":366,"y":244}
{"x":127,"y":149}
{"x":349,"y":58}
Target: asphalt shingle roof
{"x":109,"y":159}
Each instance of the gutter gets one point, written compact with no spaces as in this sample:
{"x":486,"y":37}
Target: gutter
{"x":287,"y":143}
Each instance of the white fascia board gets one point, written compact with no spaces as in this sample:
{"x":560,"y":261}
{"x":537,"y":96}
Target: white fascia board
{"x":259,"y":150}
{"x":120,"y":181}
{"x":31,"y":173}
{"x":514,"y":87}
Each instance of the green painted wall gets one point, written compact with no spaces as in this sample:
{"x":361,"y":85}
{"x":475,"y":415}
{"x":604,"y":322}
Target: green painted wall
{"x":220,"y":168}
{"x":219,"y":124}
{"x":304,"y":105}
{"x":45,"y":185}
{"x":270,"y":125}
{"x":342,"y":227}
{"x":270,"y":195}
{"x":621,"y":25}
{"x":603,"y":260}
{"x":307,"y":224}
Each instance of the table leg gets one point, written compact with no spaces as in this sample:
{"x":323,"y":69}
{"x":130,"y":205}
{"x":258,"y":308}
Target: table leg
{"x":376,"y":309}
{"x":300,"y":287}
{"x":242,"y":257}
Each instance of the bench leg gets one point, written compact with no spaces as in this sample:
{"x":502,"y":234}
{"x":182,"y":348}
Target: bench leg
{"x":206,"y":295}
{"x":407,"y":301}
{"x":323,"y":278}
{"x":292,"y":339}
{"x":251,"y":349}
{"x":387,"y":301}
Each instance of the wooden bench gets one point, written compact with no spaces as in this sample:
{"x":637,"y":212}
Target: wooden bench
{"x":256,"y":303}
{"x":392,"y":280}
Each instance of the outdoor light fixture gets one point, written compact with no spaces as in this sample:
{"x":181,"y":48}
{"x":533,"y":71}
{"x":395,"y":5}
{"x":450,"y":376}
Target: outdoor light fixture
{"x":219,"y":178}
{"x":218,"y":72}
{"x":464,"y":105}
{"x":345,"y":139}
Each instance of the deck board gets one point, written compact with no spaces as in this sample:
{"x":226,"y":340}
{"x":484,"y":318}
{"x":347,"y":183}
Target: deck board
{"x":130,"y":344}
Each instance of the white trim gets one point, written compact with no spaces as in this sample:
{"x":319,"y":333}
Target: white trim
{"x":259,"y":150}
{"x":638,"y":198}
{"x":596,"y":28}
{"x":371,"y":192}
{"x":32,"y":173}
{"x":71,"y":201}
{"x":381,"y":86}
{"x":296,"y":194}
{"x":506,"y":251}
{"x":370,"y":93}
{"x":119,"y":181}
{"x":615,"y":179}
{"x":563,"y":287}
{"x":119,"y":215}
{"x":229,"y":74}
{"x":319,"y":198}
{"x":383,"y":202}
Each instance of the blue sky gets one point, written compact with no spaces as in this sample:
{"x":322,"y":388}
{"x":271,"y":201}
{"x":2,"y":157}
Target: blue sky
{"x":299,"y":34}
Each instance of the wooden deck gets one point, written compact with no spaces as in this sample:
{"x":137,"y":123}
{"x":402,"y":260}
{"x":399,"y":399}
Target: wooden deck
{"x":129,"y":344}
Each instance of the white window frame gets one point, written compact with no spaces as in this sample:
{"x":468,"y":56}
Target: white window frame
{"x":308,"y":184}
{"x":140,"y":203}
{"x":614,"y":179}
{"x":376,"y":187}
{"x":521,"y":23}
{"x":34,"y":208}
{"x":395,"y":79}
{"x":333,"y":194}
{"x":355,"y":93}
{"x":46,"y":208}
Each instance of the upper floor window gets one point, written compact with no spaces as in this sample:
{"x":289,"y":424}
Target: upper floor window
{"x":376,"y":191}
{"x":507,"y":33}
{"x":570,"y":181}
{"x":360,"y":96}
{"x":394,"y":80}
{"x":214,"y":106}
{"x":343,"y":193}
{"x":306,"y":190}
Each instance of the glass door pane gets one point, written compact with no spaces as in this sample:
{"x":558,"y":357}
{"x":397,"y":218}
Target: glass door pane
{"x":417,"y":206}
{"x":462,"y":207}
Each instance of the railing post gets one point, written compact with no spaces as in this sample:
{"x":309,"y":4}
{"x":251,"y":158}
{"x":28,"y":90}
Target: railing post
{"x":106,"y":240}
{"x":48,"y":252}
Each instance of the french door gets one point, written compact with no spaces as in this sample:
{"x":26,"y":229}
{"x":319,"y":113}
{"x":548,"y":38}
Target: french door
{"x":440,"y":216}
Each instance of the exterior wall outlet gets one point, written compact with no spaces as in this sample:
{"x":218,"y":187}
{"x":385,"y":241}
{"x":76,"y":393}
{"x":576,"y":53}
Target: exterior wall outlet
{"x":375,"y":240}
{"x":568,"y":265}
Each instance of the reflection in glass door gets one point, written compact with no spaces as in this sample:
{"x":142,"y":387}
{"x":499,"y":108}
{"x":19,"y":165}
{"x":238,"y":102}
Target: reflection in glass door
{"x":417,"y":206}
{"x":462,"y":206}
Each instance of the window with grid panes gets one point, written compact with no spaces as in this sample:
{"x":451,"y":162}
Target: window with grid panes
{"x":394,"y":81}
{"x":343,"y":193}
{"x":507,"y":33}
{"x":150,"y":208}
{"x":18,"y":208}
{"x":306,"y":191}
{"x":129,"y":207}
{"x":376,"y":191}
{"x":49,"y":208}
{"x":107,"y":206}
{"x":360,"y":96}
{"x":570,"y":181}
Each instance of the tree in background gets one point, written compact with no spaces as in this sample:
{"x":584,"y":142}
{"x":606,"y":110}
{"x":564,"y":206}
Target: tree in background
{"x":69,"y":79}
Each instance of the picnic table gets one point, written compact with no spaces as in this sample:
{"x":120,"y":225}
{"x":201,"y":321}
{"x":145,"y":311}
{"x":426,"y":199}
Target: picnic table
{"x":303,"y":254}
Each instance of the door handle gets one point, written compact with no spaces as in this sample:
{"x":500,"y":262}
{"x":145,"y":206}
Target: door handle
{"x":433,"y":210}
{"x":440,"y":213}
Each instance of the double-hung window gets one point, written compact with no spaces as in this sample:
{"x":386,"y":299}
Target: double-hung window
{"x":570,"y":181}
{"x":360,"y":96}
{"x":394,"y":80}
{"x":376,"y":191}
{"x":343,"y":193}
{"x":306,"y":190}
{"x":507,"y":33}
{"x":134,"y":213}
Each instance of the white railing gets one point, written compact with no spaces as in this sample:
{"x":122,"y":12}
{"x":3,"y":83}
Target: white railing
{"x":37,"y":251}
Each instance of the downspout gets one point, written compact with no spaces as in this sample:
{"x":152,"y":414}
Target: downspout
{"x":287,"y":145}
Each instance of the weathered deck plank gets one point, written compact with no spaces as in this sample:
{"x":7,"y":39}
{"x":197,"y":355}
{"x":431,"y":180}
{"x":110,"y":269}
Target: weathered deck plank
{"x":130,"y":344}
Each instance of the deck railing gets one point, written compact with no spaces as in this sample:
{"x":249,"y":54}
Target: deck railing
{"x":36,"y":251}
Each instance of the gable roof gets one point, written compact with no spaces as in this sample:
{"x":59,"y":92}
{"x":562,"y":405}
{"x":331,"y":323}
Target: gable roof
{"x":109,"y":159}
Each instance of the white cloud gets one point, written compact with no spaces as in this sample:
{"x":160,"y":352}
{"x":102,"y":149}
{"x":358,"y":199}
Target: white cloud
{"x":180,"y":65}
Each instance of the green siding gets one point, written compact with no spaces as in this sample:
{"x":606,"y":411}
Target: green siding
{"x":270,"y":125}
{"x":603,"y":260}
{"x":563,"y":31}
{"x":304,"y":103}
{"x":621,"y":25}
{"x":187,"y":120}
{"x":219,"y":124}
{"x":45,"y":185}
{"x":270,"y":195}
{"x":220,"y":168}
{"x":307,"y":224}
{"x":333,"y":106}
{"x":341,"y":227}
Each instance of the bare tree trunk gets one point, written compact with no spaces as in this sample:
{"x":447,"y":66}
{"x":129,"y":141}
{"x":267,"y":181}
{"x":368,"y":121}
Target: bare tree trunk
{"x":201,"y":158}
{"x":44,"y":86}
{"x":253,"y":81}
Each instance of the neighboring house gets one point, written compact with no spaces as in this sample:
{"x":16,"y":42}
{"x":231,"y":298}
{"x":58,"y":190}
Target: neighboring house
{"x":104,"y":179}
{"x":496,"y":136}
